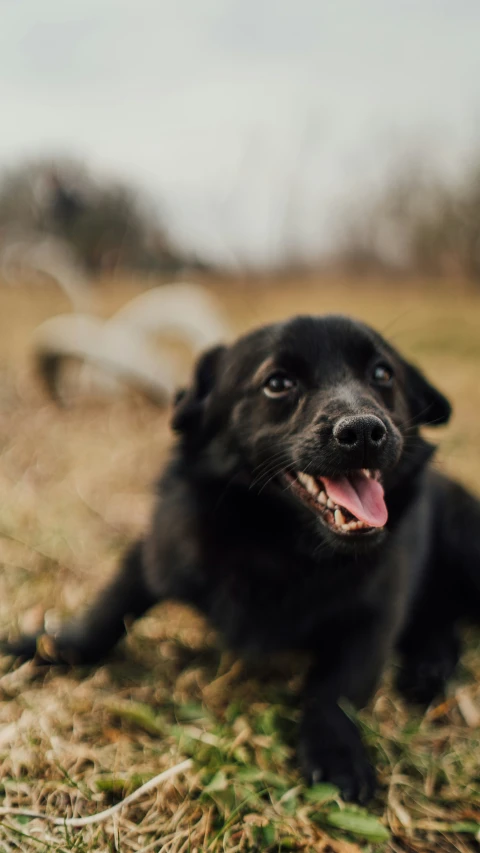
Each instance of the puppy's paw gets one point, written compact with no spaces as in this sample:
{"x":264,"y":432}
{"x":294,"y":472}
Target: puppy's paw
{"x":427,"y":670}
{"x":23,"y":647}
{"x":41,"y":647}
{"x":331,"y":750}
{"x":423,"y":681}
{"x":349,"y":770}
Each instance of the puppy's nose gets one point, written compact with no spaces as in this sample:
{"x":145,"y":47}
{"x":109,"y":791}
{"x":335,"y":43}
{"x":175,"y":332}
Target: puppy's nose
{"x":360,"y":430}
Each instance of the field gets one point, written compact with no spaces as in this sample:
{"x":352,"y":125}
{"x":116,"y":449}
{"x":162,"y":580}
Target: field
{"x":75,"y":487}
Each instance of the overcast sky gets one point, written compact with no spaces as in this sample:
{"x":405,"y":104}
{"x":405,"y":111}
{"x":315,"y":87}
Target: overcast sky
{"x":246,"y":118}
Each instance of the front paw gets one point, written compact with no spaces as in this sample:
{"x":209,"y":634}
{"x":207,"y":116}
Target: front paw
{"x":339,"y":757}
{"x":421,"y":684}
{"x":425,"y":673}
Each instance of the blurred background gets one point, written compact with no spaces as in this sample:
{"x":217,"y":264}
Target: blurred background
{"x":172,"y":173}
{"x":259,"y":158}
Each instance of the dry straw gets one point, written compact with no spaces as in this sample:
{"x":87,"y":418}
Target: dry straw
{"x":78,"y":822}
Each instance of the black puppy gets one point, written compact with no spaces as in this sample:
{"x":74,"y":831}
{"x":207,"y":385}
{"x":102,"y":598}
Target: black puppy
{"x":298,"y":512}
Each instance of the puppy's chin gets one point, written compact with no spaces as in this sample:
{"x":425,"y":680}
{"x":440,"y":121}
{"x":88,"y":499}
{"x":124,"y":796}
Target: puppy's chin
{"x":352,"y":543}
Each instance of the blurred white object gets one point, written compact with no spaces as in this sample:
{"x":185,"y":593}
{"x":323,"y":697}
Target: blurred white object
{"x":124,"y":351}
{"x":22,"y":255}
{"x":187,"y":311}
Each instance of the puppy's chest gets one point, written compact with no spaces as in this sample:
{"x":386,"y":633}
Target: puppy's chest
{"x":267,"y":600}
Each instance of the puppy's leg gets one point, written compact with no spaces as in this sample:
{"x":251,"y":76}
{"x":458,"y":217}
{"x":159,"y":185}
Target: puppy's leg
{"x":459,"y":551}
{"x":93,"y":635}
{"x":450,"y":594}
{"x":427,"y":666}
{"x":330,"y":745}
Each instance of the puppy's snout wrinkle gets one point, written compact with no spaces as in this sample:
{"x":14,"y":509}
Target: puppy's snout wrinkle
{"x":360,"y":431}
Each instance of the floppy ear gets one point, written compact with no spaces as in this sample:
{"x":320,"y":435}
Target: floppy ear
{"x":189,"y":404}
{"x":427,"y":404}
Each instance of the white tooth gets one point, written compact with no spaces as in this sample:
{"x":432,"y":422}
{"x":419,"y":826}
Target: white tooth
{"x":322,"y":498}
{"x":309,"y":483}
{"x":339,"y":517}
{"x":330,"y":504}
{"x":346,"y":527}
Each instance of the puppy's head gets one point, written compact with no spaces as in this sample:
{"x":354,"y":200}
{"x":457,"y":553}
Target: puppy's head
{"x":321,"y":410}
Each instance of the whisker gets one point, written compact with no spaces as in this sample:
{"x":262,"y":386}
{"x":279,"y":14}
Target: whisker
{"x":273,"y":477}
{"x":274,"y":462}
{"x":272,"y":472}
{"x":415,"y":422}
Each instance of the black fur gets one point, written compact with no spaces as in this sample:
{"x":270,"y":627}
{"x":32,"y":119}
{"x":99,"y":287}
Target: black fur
{"x":230,"y":537}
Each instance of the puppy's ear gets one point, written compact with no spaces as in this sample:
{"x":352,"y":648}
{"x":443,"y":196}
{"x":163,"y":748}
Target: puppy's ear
{"x":427,"y":404}
{"x":189,"y":404}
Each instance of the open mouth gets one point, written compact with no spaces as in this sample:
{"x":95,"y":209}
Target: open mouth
{"x":351,"y":503}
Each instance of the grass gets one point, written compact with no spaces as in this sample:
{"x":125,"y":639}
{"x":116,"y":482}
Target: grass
{"x":75,"y":487}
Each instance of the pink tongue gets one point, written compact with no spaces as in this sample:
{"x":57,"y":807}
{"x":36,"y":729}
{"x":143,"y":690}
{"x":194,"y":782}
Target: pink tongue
{"x":361,"y":495}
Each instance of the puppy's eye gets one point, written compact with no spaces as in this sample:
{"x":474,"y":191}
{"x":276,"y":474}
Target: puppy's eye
{"x":278,"y":384}
{"x":382,"y":374}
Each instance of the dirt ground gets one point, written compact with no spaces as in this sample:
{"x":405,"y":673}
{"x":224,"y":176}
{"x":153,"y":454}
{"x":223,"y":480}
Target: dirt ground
{"x":75,"y":487}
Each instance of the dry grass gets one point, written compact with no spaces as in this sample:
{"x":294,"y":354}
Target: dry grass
{"x":74,"y":488}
